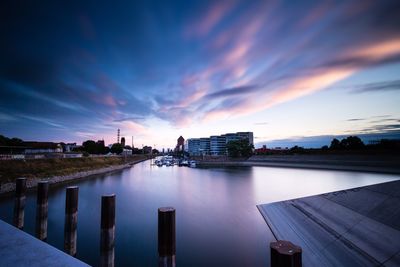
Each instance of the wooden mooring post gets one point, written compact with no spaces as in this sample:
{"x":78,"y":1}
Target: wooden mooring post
{"x":166,"y":237}
{"x":285,"y":254}
{"x":42,"y":208}
{"x":19,"y":204}
{"x":71,"y":220}
{"x":107,"y":231}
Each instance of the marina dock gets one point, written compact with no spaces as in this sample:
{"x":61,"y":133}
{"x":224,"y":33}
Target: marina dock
{"x":355,"y":227}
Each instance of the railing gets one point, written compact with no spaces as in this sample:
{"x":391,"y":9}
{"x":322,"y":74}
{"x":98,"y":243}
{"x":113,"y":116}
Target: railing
{"x":283,"y":253}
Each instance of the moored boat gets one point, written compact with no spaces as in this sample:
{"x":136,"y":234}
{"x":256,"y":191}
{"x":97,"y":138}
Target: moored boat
{"x":192,"y":164}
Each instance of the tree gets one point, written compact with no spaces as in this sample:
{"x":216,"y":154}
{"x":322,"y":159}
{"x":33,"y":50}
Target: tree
{"x":101,"y":148}
{"x":106,"y":150}
{"x":353,"y":142}
{"x":3,"y":140}
{"x":239,"y":148}
{"x":335,"y":144}
{"x":15,"y":142}
{"x":89,"y":146}
{"x":297,"y":149}
{"x":349,"y":143}
{"x":116,"y":148}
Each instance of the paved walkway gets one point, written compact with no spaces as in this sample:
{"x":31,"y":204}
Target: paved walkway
{"x":18,"y":248}
{"x":355,"y":227}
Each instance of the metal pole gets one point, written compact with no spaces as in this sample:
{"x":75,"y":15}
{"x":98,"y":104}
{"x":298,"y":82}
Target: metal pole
{"x":71,"y":220}
{"x":42,"y":207}
{"x":107,"y":232}
{"x":166,"y":237}
{"x":19,"y":204}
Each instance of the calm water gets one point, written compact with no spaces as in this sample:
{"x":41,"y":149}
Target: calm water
{"x":217,"y":221}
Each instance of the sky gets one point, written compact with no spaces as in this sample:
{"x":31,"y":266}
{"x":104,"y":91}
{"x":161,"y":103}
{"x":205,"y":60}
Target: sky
{"x":287,"y":70}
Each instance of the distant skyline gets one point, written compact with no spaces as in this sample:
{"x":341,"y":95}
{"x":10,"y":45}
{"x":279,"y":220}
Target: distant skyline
{"x":284,"y":70}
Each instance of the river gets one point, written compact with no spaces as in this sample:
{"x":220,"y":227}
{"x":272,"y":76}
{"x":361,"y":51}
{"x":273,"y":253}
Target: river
{"x":217,"y":222}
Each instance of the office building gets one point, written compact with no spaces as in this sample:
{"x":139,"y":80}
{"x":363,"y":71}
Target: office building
{"x":194,"y":146}
{"x":216,"y":145}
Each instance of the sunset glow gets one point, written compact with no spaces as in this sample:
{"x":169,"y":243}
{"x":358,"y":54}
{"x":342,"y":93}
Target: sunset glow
{"x":160,"y":70}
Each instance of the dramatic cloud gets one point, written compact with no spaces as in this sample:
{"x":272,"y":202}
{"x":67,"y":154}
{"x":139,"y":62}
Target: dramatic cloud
{"x":381,"y":86}
{"x":92,"y":67}
{"x":361,"y":119}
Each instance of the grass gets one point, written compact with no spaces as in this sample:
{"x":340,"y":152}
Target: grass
{"x":44,"y":168}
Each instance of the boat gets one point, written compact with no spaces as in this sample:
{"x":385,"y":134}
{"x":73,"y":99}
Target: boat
{"x":184,"y":163}
{"x":192,"y":164}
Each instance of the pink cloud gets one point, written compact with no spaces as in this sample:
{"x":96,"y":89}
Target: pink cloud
{"x":315,"y":14}
{"x":377,"y":51}
{"x":109,"y":101}
{"x":213,"y":16}
{"x":314,"y":81}
{"x":135,"y":127}
{"x":189,"y":80}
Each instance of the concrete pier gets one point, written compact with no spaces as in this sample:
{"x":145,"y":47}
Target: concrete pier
{"x":166,"y":237}
{"x":354,"y":227}
{"x":107,"y":231}
{"x":18,"y":248}
{"x":19,"y":204}
{"x":42,"y":207}
{"x":71,"y":220}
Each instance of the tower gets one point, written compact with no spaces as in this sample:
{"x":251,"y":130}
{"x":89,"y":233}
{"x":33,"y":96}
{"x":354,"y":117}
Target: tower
{"x":123,"y":141}
{"x":180,"y":144}
{"x":118,"y":136}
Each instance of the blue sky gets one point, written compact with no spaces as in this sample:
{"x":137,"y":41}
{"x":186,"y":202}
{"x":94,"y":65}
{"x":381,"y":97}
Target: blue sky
{"x":285,"y":70}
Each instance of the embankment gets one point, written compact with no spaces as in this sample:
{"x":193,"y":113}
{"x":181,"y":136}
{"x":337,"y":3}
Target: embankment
{"x":60,"y":170}
{"x":363,"y":163}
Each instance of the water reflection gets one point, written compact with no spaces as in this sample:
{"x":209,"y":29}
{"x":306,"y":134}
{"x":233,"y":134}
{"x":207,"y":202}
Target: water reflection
{"x":216,"y":216}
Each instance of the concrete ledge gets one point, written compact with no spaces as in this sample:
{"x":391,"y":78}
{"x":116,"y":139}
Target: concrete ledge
{"x":359,"y":163}
{"x":18,"y":248}
{"x":355,"y":227}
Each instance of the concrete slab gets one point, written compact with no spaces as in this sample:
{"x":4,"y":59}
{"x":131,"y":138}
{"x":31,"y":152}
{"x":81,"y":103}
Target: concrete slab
{"x":360,"y":200}
{"x":394,"y":261}
{"x":389,"y":188}
{"x":387,"y":212}
{"x":18,"y":248}
{"x":339,"y":219}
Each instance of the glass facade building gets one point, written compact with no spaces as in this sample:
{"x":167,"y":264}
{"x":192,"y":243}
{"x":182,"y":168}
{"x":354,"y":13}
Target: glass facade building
{"x":216,"y":144}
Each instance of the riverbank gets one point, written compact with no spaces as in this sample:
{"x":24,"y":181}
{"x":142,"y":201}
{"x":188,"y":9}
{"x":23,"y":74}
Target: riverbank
{"x":60,"y":170}
{"x":360,"y":163}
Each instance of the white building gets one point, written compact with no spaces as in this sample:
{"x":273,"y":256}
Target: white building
{"x":126,"y":152}
{"x":42,"y":147}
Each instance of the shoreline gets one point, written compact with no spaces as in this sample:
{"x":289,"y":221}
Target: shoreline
{"x":302,"y":166}
{"x":9,"y":187}
{"x":353,"y":164}
{"x":283,"y":162}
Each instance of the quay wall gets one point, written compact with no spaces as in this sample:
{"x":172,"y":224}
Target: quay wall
{"x":359,"y":163}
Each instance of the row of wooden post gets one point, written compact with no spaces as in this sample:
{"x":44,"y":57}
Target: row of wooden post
{"x":283,"y":253}
{"x":166,"y":223}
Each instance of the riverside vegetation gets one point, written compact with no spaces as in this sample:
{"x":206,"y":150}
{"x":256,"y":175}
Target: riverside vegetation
{"x":45,"y":168}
